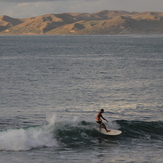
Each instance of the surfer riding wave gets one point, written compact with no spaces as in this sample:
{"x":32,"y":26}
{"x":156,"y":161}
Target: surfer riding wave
{"x":99,"y":118}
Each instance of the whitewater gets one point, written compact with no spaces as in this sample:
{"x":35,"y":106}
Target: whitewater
{"x":52,"y":87}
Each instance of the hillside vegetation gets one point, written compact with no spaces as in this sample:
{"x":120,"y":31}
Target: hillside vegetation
{"x":103,"y":22}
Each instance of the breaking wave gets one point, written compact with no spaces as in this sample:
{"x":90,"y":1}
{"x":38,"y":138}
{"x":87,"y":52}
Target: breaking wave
{"x":53,"y":134}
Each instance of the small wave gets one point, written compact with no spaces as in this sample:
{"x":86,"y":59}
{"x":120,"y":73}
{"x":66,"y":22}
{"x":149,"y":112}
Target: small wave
{"x":137,"y":129}
{"x":81,"y":133}
{"x":26,"y":139}
{"x":74,"y":133}
{"x":85,"y":132}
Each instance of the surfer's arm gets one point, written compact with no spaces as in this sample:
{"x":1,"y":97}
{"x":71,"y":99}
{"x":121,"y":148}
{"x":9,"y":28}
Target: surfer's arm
{"x":104,"y":118}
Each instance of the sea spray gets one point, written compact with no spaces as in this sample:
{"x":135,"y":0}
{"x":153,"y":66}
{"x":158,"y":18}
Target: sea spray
{"x":51,"y":119}
{"x":14,"y":140}
{"x":29,"y":138}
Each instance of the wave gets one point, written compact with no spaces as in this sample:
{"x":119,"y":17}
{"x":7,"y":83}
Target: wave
{"x":55,"y":134}
{"x":138,"y":129}
{"x":86,"y":132}
{"x":28,"y":138}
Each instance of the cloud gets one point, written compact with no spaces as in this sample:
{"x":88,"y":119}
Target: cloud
{"x":26,"y":1}
{"x":31,"y":1}
{"x":32,"y":8}
{"x":26,"y":9}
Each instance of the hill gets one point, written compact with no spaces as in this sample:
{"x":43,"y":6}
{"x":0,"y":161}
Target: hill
{"x":103,"y":22}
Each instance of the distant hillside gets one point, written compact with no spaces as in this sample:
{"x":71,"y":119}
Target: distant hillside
{"x":103,"y":22}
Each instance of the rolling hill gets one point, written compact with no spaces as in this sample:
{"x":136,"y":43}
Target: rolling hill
{"x":103,"y":22}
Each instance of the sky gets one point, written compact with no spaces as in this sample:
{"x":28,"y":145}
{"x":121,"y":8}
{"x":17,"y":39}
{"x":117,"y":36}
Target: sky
{"x":32,"y":8}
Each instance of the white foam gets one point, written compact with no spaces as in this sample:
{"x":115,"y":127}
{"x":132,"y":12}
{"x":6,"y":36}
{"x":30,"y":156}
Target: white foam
{"x":51,"y":119}
{"x":112,"y":125}
{"x":26,"y":139}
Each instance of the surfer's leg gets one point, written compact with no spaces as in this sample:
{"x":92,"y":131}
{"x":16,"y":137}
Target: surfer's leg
{"x":100,"y":126}
{"x":105,"y":127}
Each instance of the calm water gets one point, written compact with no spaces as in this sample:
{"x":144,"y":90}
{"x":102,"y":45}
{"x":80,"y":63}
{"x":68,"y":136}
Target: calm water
{"x":51,"y":88}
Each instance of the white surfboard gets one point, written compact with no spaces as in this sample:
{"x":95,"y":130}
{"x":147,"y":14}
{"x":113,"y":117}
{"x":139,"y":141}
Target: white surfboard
{"x":112,"y":132}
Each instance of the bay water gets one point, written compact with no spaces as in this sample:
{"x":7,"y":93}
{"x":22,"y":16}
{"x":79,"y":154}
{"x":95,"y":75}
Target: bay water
{"x":52,"y":87}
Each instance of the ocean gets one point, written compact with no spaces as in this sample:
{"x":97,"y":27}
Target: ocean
{"x":52,"y":87}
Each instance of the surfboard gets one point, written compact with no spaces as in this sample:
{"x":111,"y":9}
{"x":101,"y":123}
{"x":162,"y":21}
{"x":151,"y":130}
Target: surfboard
{"x":112,"y":132}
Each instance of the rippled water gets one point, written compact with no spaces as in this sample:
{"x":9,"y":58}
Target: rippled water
{"x":53,"y":86}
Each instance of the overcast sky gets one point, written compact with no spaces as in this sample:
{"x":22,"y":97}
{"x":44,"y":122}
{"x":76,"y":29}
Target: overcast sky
{"x":32,"y":8}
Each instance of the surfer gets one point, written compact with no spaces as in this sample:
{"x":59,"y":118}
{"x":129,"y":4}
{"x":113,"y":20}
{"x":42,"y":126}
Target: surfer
{"x":99,"y":120}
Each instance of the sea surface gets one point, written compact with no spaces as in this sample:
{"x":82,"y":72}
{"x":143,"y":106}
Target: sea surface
{"x":52,"y":87}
